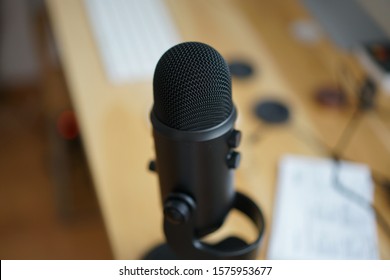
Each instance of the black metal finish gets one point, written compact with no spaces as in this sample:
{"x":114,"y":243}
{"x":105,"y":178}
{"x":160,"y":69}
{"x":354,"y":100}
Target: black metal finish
{"x":161,"y":252}
{"x":184,"y":244}
{"x":193,"y":128}
{"x":152,"y":166}
{"x":178,"y":208}
{"x":233,"y":160}
{"x":234,"y":138}
{"x":194,"y":163}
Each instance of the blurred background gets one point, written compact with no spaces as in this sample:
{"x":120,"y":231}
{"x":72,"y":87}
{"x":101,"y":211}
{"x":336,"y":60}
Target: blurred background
{"x":48,"y":207}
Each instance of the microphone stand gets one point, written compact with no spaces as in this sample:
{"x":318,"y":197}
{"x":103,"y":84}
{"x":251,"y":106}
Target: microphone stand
{"x":182,"y":242}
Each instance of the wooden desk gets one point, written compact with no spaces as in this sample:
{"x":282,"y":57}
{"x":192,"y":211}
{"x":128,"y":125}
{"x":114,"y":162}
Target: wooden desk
{"x":117,"y":134}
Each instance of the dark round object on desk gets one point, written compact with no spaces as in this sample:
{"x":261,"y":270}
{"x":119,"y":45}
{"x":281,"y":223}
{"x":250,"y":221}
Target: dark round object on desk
{"x":331,"y":97}
{"x":240,"y":69}
{"x":272,"y":111}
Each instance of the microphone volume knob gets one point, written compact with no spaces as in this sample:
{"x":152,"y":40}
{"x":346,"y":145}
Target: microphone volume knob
{"x":152,"y":166}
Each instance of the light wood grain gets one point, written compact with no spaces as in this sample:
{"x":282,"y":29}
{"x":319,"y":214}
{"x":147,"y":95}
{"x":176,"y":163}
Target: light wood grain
{"x":306,"y":67}
{"x":117,"y":133}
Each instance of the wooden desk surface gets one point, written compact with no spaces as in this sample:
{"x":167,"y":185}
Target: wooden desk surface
{"x":117,"y":133}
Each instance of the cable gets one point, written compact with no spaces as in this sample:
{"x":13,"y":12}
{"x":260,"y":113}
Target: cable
{"x":366,"y":97}
{"x":378,"y":177}
{"x":307,"y":137}
{"x":357,"y":199}
{"x":310,"y":139}
{"x":384,"y":119}
{"x":348,"y":132}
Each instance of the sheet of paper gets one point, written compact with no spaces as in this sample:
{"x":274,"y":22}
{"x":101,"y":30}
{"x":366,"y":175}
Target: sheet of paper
{"x":316,"y":218}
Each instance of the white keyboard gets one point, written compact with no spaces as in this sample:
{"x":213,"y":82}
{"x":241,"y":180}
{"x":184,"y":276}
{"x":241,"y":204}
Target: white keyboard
{"x":131,"y":36}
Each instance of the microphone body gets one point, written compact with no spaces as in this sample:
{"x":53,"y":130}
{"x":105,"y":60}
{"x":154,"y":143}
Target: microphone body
{"x":193,"y":118}
{"x":196,"y":163}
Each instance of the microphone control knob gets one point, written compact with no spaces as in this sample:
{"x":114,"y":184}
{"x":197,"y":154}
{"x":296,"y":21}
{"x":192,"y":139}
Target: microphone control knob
{"x":152,"y":166}
{"x":233,"y":160}
{"x":176,"y":211}
{"x":234,"y":139}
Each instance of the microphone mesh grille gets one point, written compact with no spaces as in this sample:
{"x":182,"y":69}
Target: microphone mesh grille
{"x":192,"y":87}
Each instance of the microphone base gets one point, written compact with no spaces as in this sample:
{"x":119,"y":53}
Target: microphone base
{"x":161,"y":252}
{"x":164,"y":252}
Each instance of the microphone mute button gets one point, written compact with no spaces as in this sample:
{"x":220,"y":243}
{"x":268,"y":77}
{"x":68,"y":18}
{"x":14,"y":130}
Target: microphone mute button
{"x":234,"y":138}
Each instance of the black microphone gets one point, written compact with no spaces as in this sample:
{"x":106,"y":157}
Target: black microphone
{"x":193,"y":128}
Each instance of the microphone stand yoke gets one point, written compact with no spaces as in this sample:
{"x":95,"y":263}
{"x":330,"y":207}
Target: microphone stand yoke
{"x":182,"y":243}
